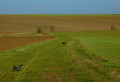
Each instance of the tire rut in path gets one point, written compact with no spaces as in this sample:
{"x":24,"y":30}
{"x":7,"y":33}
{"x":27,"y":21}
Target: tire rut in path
{"x":49,"y":76}
{"x":3,"y":74}
{"x":71,"y":50}
{"x":17,"y":78}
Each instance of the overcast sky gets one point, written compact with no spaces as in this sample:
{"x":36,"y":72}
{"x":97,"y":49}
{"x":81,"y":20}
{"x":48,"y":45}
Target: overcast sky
{"x":59,"y":6}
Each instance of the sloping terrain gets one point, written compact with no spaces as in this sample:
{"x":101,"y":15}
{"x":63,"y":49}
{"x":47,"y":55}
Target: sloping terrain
{"x":51,"y":61}
{"x":30,"y":23}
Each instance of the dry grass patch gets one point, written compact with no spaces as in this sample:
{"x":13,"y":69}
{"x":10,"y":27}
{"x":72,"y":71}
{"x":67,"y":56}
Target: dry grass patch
{"x":49,"y":76}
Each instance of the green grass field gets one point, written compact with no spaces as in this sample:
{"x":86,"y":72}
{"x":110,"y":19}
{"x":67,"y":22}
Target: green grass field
{"x":87,"y":56}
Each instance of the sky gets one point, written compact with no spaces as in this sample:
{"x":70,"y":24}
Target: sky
{"x":59,"y":6}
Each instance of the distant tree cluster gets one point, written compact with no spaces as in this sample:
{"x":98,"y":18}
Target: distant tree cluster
{"x":45,"y":29}
{"x":113,"y":27}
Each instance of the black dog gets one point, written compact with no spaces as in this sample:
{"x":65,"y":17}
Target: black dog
{"x":17,"y":68}
{"x":63,"y":43}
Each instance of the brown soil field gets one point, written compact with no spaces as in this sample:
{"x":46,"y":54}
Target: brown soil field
{"x":29,"y":23}
{"x":13,"y":42}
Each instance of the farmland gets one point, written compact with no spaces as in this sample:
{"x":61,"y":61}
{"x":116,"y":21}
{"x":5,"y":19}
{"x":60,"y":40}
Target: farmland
{"x":29,"y":23}
{"x":91,"y":52}
{"x":13,"y":42}
{"x":87,"y":56}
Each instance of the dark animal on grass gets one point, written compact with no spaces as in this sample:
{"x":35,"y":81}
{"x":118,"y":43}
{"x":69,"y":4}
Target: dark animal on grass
{"x":17,"y":68}
{"x":14,"y":68}
{"x":63,"y":43}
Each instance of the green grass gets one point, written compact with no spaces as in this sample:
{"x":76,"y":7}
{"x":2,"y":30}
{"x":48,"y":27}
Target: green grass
{"x":103,"y":43}
{"x":108,"y":47}
{"x":87,"y":56}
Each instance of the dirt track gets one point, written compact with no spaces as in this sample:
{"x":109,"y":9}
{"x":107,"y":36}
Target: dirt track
{"x":10,"y":43}
{"x":29,"y":23}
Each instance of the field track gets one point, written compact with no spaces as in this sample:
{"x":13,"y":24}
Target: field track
{"x":25,"y":68}
{"x":51,"y":61}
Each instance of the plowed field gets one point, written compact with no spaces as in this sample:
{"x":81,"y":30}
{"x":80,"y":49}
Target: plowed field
{"x":30,"y":23}
{"x":13,"y":42}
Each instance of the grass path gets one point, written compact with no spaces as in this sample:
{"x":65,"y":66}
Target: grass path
{"x":3,"y":74}
{"x":49,"y":76}
{"x":50,"y":61}
{"x":71,"y":50}
{"x":59,"y":64}
{"x":25,"y":68}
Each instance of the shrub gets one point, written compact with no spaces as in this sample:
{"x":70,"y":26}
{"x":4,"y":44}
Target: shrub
{"x":113,"y":27}
{"x":52,"y":28}
{"x":3,"y":35}
{"x":39,"y":30}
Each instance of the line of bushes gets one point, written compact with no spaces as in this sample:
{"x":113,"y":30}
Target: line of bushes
{"x":44,"y":29}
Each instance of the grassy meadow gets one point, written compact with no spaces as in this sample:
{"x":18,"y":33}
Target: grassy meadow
{"x":88,"y":56}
